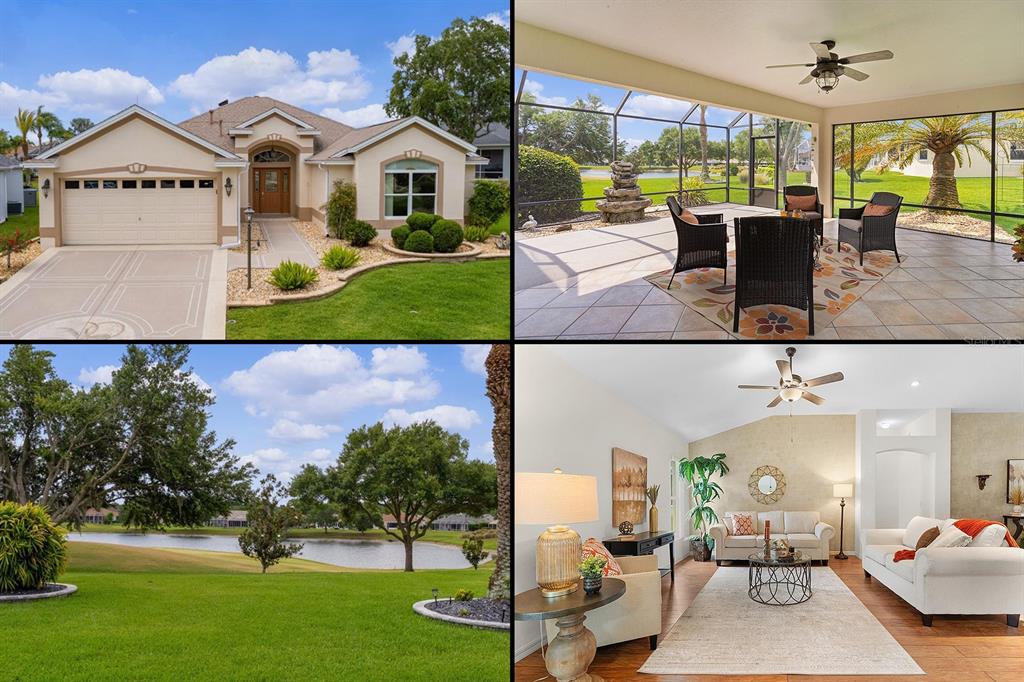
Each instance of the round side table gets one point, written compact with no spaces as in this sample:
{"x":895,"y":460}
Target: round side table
{"x":571,"y":652}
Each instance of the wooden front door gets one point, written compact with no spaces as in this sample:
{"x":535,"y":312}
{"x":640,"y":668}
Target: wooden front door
{"x":272,"y":190}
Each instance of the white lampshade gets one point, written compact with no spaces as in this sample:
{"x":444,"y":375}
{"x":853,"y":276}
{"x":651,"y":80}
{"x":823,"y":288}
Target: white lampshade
{"x":557,"y":498}
{"x":842,"y":490}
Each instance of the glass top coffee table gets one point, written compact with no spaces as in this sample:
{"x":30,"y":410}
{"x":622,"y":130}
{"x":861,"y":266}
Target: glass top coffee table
{"x":779,"y":582}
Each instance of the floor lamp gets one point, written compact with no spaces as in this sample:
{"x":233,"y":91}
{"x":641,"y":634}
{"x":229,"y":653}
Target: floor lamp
{"x":842,"y":491}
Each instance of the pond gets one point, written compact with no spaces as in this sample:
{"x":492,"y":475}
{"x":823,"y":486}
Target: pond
{"x":592,"y":173}
{"x":350,"y":553}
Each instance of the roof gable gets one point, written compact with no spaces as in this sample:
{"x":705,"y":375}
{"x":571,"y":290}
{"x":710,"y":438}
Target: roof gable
{"x":400,"y":125}
{"x":271,"y":112}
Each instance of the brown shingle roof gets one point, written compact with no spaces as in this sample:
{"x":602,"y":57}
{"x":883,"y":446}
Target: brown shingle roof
{"x":354,"y":137}
{"x":234,"y":113}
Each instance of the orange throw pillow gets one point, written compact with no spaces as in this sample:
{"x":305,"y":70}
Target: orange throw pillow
{"x":927,"y":537}
{"x":877,"y":210}
{"x":594,"y":547}
{"x":808,"y":203}
{"x":743,"y":524}
{"x":687,"y":217}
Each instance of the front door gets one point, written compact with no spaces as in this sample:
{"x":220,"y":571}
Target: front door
{"x":271,"y":189}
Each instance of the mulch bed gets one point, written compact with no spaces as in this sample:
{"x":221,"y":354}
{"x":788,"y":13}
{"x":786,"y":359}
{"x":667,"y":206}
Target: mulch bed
{"x":479,"y":609}
{"x":649,"y":216}
{"x":50,"y":587}
{"x":19,"y":259}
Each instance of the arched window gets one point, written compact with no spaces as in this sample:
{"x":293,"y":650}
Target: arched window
{"x":271,"y":156}
{"x":409,"y":185}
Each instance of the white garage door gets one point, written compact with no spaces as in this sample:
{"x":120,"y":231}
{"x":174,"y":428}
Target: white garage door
{"x":134,"y":211}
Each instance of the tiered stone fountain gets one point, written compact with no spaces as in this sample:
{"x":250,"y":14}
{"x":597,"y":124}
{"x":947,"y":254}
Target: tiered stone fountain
{"x":623,"y":203}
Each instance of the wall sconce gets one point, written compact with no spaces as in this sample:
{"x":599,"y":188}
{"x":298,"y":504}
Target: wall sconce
{"x":46,"y":188}
{"x":227,"y":186}
{"x":982,"y":479}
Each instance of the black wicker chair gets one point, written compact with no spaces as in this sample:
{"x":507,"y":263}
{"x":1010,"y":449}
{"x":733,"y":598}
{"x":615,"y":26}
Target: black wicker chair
{"x":700,"y":246}
{"x":870,"y":233}
{"x":774,"y":264}
{"x":817,"y":215}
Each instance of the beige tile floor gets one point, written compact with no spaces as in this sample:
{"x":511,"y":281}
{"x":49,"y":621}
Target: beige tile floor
{"x":590,"y":285}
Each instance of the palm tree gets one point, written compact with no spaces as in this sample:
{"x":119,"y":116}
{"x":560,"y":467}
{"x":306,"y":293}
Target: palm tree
{"x":704,"y":175}
{"x":52,"y":125}
{"x":24,"y":120}
{"x":499,"y":370}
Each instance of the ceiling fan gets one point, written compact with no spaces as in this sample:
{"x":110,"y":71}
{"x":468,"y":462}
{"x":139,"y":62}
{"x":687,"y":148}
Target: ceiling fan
{"x":792,"y":387}
{"x":828,"y":67}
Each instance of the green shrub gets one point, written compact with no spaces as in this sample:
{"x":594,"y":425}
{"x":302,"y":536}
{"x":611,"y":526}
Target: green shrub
{"x":420,"y":241}
{"x":490,"y":199}
{"x":447,"y":236}
{"x":696,"y":196}
{"x":360,"y":233}
{"x":544,"y":175}
{"x":463,"y":595}
{"x":473,"y":550}
{"x":32,"y":549}
{"x":340,"y":208}
{"x":399,"y":235}
{"x":422,"y":221}
{"x":464,"y":613}
{"x":340,"y":257}
{"x":290,"y":275}
{"x":734,"y":170}
{"x":476,"y":234}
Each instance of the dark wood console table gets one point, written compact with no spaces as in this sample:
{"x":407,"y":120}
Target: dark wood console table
{"x":644,"y":543}
{"x":1018,"y":521}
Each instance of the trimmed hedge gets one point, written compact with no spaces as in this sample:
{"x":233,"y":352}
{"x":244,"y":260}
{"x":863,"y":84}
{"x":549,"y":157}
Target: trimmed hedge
{"x":33,"y":551}
{"x":340,"y":208}
{"x":544,"y":175}
{"x":447,"y":236}
{"x":399,"y":235}
{"x":422,"y":221}
{"x":361,"y":233}
{"x":490,"y":199}
{"x":420,"y":241}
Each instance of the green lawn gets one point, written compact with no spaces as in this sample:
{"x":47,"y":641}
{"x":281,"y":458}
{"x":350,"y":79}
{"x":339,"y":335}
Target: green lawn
{"x":593,"y":187}
{"x":143,"y":618}
{"x":446,"y":537}
{"x":27,"y":223}
{"x":409,"y":302}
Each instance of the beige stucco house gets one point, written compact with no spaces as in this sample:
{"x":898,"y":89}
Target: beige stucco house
{"x":136,"y":178}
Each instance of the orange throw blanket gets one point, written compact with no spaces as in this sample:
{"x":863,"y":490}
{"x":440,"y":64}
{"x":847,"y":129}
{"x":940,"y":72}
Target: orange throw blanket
{"x":970,"y":526}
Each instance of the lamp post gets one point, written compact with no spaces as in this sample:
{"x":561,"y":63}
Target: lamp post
{"x":842,"y":491}
{"x":249,"y":213}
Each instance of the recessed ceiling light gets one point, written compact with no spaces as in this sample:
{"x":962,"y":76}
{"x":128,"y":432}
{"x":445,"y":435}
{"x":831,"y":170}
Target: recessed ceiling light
{"x":915,"y":384}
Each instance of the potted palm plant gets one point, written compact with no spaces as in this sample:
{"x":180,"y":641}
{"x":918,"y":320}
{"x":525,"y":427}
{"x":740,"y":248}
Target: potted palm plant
{"x":698,"y":472}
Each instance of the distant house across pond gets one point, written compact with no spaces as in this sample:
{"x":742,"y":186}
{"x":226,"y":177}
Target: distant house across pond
{"x":464,"y":522}
{"x":236,"y":518}
{"x":102,"y":515}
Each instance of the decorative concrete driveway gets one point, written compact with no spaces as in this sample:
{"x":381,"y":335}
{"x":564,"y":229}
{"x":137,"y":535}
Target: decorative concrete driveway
{"x":283,"y":243}
{"x":95,"y":292}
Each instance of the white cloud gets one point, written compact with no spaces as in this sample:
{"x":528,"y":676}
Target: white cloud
{"x":536,"y":89}
{"x":321,"y":382}
{"x":498,"y":18}
{"x":264,"y":456}
{"x":99,"y":92}
{"x":320,"y":455}
{"x":276,"y":74}
{"x":655,"y":106}
{"x":286,"y":429}
{"x":101,"y":375}
{"x":357,"y":118}
{"x":447,"y":417}
{"x":398,"y":360}
{"x":473,"y":357}
{"x":403,"y":45}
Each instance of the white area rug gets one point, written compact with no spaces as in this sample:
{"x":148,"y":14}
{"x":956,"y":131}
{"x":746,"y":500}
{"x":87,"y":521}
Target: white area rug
{"x":724,"y":632}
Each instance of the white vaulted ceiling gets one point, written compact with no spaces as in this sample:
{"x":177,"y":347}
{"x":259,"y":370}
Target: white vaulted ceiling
{"x":939,"y":46}
{"x":691,"y":389}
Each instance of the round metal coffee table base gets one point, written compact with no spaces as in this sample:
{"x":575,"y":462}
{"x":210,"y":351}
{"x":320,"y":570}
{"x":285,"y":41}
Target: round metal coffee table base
{"x":779,"y":583}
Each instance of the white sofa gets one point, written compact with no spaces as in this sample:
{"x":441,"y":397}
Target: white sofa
{"x":975,"y":580}
{"x":802,"y":530}
{"x":637,"y":613}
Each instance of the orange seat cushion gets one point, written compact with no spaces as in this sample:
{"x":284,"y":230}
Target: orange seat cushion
{"x":687,"y":217}
{"x":594,"y":547}
{"x":808,"y":203}
{"x":877,"y":210}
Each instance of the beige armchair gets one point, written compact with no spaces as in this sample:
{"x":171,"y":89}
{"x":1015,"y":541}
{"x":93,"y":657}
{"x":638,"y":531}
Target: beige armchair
{"x":635,"y":614}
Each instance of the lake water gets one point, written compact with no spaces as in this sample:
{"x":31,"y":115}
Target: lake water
{"x":590,"y":174}
{"x":351,"y":553}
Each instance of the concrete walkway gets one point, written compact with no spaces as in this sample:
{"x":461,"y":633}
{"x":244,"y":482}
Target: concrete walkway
{"x":283,"y":243}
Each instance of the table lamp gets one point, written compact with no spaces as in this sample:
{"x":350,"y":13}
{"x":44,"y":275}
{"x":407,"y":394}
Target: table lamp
{"x":842,"y":491}
{"x":556,"y":499}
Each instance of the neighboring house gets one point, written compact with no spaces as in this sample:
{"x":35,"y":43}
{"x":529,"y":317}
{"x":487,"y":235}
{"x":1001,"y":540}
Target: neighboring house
{"x":236,"y":518}
{"x":462,"y":522}
{"x":136,"y":178}
{"x":100,"y":515}
{"x":1009,"y":163}
{"x":494,"y":145}
{"x":12,"y":198}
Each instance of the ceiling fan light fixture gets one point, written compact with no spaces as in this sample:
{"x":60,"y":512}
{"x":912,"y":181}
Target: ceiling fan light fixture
{"x":790,"y":394}
{"x":826,"y":81}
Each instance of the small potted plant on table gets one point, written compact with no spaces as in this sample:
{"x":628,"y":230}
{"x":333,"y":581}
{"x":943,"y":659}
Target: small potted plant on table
{"x":592,"y":570}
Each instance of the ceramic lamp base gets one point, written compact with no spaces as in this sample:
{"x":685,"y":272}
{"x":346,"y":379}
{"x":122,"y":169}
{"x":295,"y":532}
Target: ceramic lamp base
{"x":558,"y":557}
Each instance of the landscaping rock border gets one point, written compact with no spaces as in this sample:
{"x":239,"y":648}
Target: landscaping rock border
{"x":420,"y":607}
{"x":65,"y":590}
{"x":473,"y":252}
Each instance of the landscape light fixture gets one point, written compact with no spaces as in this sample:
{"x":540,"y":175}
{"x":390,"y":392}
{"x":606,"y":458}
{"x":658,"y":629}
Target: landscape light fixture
{"x":434,"y":591}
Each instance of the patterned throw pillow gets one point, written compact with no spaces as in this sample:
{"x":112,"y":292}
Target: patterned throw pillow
{"x":877,"y":210}
{"x":594,"y":547}
{"x":807,"y":203}
{"x":743,"y":524}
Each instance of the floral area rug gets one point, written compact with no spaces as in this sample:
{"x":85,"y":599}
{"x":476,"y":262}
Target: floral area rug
{"x":839,"y":282}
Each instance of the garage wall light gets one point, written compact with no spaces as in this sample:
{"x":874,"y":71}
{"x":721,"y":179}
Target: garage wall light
{"x":227,"y":186}
{"x":46,"y":188}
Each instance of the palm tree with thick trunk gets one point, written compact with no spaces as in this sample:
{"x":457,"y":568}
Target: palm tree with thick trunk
{"x":25,"y":120}
{"x":704,"y":175}
{"x":499,"y":378}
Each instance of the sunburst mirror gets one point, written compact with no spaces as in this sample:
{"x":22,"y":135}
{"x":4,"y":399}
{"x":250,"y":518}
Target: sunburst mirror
{"x":767,"y":484}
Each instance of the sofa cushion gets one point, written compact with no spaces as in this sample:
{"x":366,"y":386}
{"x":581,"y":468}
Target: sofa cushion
{"x":991,"y":536}
{"x":951,"y":537}
{"x":917,"y":525}
{"x":904,"y":569}
{"x":927,"y":537}
{"x":743,"y":524}
{"x":801,"y":522}
{"x":743,"y":540}
{"x":802,"y":539}
{"x":946,"y":524}
{"x":776,"y":517}
{"x":850,"y":224}
{"x":594,"y":547}
{"x":729,"y":526}
{"x":881,"y":553}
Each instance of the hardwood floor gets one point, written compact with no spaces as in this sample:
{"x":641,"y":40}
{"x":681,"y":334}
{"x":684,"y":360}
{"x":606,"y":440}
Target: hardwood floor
{"x":954,"y":649}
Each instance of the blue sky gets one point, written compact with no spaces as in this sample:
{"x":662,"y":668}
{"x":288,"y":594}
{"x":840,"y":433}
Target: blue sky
{"x":181,"y":58}
{"x":287,"y":404}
